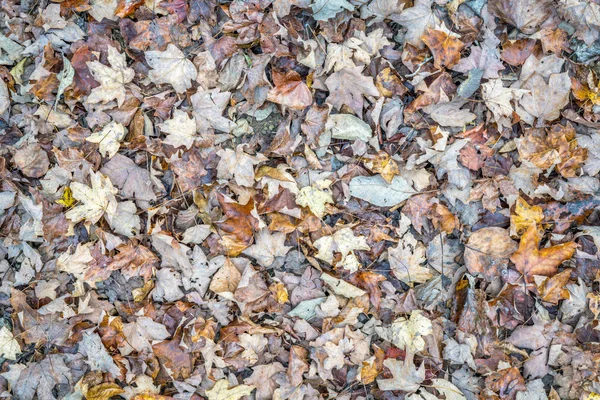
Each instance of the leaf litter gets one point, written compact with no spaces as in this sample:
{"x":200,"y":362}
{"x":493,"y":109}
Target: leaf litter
{"x":297,"y":199}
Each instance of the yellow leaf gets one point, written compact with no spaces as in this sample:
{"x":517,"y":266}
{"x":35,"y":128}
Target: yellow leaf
{"x":67,"y":199}
{"x":280,"y":292}
{"x":524,"y":216}
{"x":104,"y":391}
{"x":221,"y":391}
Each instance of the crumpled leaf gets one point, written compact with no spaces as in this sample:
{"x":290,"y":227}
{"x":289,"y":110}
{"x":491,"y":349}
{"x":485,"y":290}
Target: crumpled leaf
{"x":221,"y":391}
{"x":344,"y":242}
{"x":445,"y":47}
{"x":499,"y":100}
{"x":109,"y":138}
{"x":315,"y":197}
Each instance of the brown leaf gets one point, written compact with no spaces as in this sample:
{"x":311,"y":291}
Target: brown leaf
{"x":290,"y":91}
{"x":179,"y":360}
{"x":32,"y":160}
{"x":530,"y":260}
{"x":515,"y":52}
{"x":134,"y":260}
{"x":127,"y":7}
{"x":553,"y":289}
{"x":524,"y":216}
{"x":506,"y":382}
{"x":343,"y":94}
{"x":444,"y":47}
{"x":487,"y":252}
{"x":238,"y":229}
{"x":555,"y":146}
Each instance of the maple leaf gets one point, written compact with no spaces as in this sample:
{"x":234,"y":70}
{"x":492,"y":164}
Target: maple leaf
{"x":108,"y":138}
{"x":221,"y":391}
{"x":555,"y":147}
{"x":444,"y":46}
{"x":134,"y":181}
{"x":530,"y":260}
{"x":498,"y":99}
{"x":290,"y":91}
{"x":181,"y":130}
{"x":406,"y":259}
{"x":267,"y":247}
{"x":485,"y":57}
{"x":417,"y":20}
{"x":99,"y":201}
{"x":112,"y":79}
{"x":208,"y":109}
{"x":326,"y":9}
{"x":239,"y":165}
{"x":140,"y":334}
{"x":172,"y":67}
{"x":405,"y":376}
{"x":316,"y":197}
{"x":238,"y":229}
{"x":9,"y":347}
{"x":524,"y":216}
{"x":585,"y":16}
{"x":526,"y":15}
{"x":340,"y":93}
{"x":544,"y":100}
{"x":344,"y":242}
{"x":41,"y":377}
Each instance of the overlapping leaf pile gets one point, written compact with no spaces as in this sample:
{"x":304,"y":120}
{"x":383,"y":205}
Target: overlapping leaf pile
{"x":299,"y":199}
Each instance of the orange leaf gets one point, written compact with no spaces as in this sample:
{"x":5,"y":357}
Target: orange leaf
{"x":290,"y":91}
{"x":445,"y":48}
{"x":531,"y":261}
{"x":552,"y":290}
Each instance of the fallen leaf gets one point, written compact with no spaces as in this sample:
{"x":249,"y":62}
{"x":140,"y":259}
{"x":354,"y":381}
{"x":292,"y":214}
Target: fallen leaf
{"x":112,"y":79}
{"x":290,"y":91}
{"x":375,"y":190}
{"x":344,"y":242}
{"x":340,"y":93}
{"x":181,"y":130}
{"x":109,"y":138}
{"x":445,"y":47}
{"x":172,"y":67}
{"x":530,"y":260}
{"x":221,"y":391}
